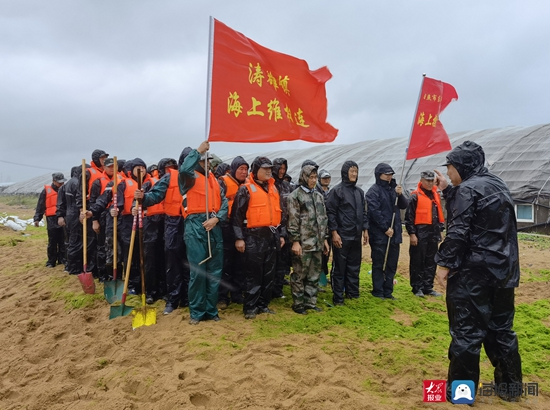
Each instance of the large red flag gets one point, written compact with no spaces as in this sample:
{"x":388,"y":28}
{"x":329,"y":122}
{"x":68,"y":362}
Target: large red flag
{"x":260,"y":95}
{"x":428,"y":136}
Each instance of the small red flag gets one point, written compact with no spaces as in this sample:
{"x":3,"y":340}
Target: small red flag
{"x":428,"y":136}
{"x":260,"y":95}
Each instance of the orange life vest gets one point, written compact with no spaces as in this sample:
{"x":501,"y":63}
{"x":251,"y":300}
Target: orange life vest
{"x":95,"y":173}
{"x":104,"y":181}
{"x":173,"y":199}
{"x":157,"y":209}
{"x":264,"y":208}
{"x":51,"y":200}
{"x":424,"y":206}
{"x":194,"y":201}
{"x":232,"y":186}
{"x":129,"y":192}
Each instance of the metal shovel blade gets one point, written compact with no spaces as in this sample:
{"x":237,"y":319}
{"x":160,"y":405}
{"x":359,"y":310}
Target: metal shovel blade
{"x":120,"y":310}
{"x":87,"y":281}
{"x":113,"y":290}
{"x":144,"y":316}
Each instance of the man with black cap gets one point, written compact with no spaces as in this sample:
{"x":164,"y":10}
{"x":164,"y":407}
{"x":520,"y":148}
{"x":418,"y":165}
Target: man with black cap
{"x":96,"y":169}
{"x":204,"y":206}
{"x":47,"y":205}
{"x":232,"y":283}
{"x":478,"y":262}
{"x":260,"y":229}
{"x":424,"y":222}
{"x":347,"y":223}
{"x":381,"y":207}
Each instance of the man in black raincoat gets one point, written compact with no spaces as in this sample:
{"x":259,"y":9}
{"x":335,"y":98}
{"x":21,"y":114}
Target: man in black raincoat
{"x":282,"y":269}
{"x":479,"y":261}
{"x":347,"y":223}
{"x":381,"y":206}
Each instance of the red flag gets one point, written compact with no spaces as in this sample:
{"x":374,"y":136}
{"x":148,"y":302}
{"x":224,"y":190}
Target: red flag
{"x":260,"y":95}
{"x":428,"y":136}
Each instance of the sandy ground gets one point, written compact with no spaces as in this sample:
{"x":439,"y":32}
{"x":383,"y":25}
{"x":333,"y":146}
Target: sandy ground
{"x":54,"y":358}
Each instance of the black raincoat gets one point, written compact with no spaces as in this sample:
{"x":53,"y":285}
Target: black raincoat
{"x":381,"y":207}
{"x":56,"y":237}
{"x":348,"y":217}
{"x":481,"y":251}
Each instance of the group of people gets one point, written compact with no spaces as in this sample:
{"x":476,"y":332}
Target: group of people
{"x":217,"y":233}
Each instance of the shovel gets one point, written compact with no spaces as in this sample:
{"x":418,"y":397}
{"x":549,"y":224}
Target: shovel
{"x":122,"y":309}
{"x":113,"y":289}
{"x":145,"y":315}
{"x":86,"y":278}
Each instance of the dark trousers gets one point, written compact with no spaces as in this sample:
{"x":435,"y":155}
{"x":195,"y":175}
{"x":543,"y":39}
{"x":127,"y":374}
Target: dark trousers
{"x":125,"y":232}
{"x":74,"y":251}
{"x":56,"y":246}
{"x":282,"y":268}
{"x":346,"y":267}
{"x":100,"y":246}
{"x":153,"y":245}
{"x":481,"y":315}
{"x":232,"y":281}
{"x":259,"y":260}
{"x":175,"y":259}
{"x":382,"y":280}
{"x":422,"y":265}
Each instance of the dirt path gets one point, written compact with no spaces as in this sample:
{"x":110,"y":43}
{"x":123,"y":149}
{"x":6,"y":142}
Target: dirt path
{"x":54,"y":358}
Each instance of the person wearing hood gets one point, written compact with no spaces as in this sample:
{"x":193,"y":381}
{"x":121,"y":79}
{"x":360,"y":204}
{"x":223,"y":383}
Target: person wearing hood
{"x":167,"y":191}
{"x":424,"y":222}
{"x":308,"y":233}
{"x":347,"y":223}
{"x":282,"y":267}
{"x":47,"y":205}
{"x":123,"y":209}
{"x":323,"y":187}
{"x":232,"y":283}
{"x":67,"y":212}
{"x":102,"y":225}
{"x":260,"y":228}
{"x":381,"y":204}
{"x":478,"y":261}
{"x":96,"y":169}
{"x":205,"y":206}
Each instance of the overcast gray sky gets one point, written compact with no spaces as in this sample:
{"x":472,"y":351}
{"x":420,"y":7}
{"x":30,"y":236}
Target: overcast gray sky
{"x":129,"y":76}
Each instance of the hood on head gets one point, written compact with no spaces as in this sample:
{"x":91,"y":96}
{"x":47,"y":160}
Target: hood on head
{"x":127,"y":168}
{"x":76,"y":171}
{"x":305,"y":173}
{"x":277,"y":163}
{"x":152,"y":168}
{"x":163,"y":163}
{"x":468,"y":159}
{"x":222,"y":169}
{"x":96,"y":155}
{"x":120,"y":164}
{"x":310,"y":162}
{"x":236,"y":163}
{"x":186,"y":151}
{"x":380,"y":169}
{"x":345,"y":172}
{"x":260,"y":162}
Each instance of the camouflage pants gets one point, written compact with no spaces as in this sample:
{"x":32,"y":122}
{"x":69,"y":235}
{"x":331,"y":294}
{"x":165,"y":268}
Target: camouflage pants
{"x":304,"y":279}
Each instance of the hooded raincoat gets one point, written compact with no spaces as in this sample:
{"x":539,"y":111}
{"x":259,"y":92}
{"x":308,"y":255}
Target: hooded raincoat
{"x":481,"y":251}
{"x":347,"y":216}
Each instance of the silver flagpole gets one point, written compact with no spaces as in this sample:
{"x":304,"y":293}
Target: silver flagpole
{"x":403,"y":171}
{"x":207,"y":124}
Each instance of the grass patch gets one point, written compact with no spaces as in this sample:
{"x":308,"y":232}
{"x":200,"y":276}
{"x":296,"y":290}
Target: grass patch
{"x":538,"y":241}
{"x":27,"y":201}
{"x":72,"y":300}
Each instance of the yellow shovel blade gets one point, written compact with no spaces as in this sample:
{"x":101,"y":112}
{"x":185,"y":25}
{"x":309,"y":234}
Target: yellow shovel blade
{"x":144,"y":316}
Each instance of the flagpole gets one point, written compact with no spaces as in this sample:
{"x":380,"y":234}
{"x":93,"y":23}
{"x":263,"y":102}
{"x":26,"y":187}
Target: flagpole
{"x":207,"y":123}
{"x":403,"y":170}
